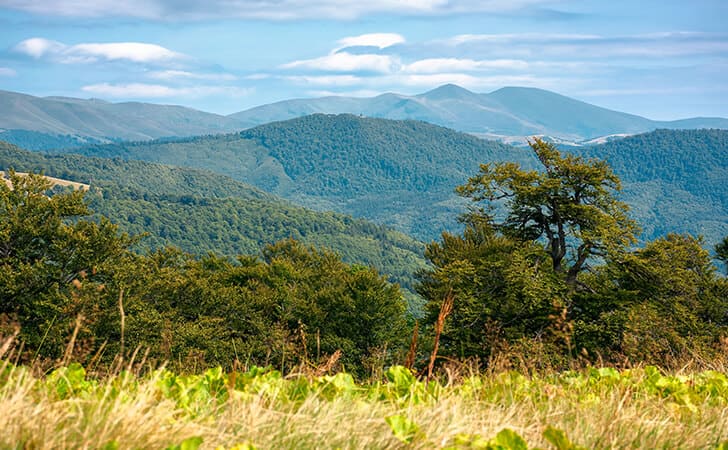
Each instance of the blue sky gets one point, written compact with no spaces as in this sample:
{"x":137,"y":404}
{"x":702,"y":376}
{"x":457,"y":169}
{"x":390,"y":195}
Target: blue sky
{"x":662,"y":59}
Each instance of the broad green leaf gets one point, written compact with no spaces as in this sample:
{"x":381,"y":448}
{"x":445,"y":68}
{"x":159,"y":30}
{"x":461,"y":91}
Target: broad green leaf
{"x":192,"y":443}
{"x":558,"y":439}
{"x":403,"y":428}
{"x":510,"y":440}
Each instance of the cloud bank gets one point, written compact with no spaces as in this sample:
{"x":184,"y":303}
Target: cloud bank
{"x":143,"y":90}
{"x":166,"y":10}
{"x":381,"y":62}
{"x":136,"y":52}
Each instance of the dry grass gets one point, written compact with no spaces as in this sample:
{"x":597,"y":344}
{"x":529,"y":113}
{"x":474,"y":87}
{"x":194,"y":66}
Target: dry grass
{"x":54,"y":181}
{"x":135,"y":414}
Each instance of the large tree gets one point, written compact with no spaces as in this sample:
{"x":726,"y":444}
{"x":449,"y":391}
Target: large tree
{"x":569,"y":205}
{"x":47,"y":251}
{"x":502,"y":290}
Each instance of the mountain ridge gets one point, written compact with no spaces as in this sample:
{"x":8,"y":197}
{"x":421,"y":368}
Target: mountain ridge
{"x":506,"y":113}
{"x":105,"y":120}
{"x":509,"y":114}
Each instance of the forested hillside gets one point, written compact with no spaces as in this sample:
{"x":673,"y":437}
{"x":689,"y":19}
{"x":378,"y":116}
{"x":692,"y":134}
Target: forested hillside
{"x":202,"y":212}
{"x":555,"y":279}
{"x":398,"y":173}
{"x":403,"y":173}
{"x":675,"y":180}
{"x":35,"y":140}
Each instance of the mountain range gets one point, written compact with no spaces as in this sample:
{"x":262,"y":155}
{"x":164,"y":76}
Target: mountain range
{"x":509,"y":114}
{"x":95,"y":119}
{"x":403,"y":173}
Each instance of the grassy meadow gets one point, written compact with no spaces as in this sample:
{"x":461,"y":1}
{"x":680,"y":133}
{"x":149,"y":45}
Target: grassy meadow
{"x":260,"y":408}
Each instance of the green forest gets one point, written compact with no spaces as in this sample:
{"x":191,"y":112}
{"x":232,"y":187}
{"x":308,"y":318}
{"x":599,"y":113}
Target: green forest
{"x":547,"y":270}
{"x":201,"y":212}
{"x":381,"y":170}
{"x":385,"y":170}
{"x":35,"y":140}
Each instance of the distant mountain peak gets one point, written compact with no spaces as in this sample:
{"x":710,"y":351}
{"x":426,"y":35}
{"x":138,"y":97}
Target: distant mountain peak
{"x":529,"y":92}
{"x":60,"y":98}
{"x":448,"y":91}
{"x":508,"y":114}
{"x":523,"y":89}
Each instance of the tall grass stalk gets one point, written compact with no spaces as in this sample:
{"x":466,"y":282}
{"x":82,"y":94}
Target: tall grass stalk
{"x":132,"y":411}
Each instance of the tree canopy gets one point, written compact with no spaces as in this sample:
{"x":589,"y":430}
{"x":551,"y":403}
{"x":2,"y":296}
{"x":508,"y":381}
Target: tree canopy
{"x":65,"y":278}
{"x":45,"y":251}
{"x":570,"y":204}
{"x":547,"y":268}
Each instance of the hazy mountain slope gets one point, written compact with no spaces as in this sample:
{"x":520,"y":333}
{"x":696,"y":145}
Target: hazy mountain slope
{"x":507,"y":112}
{"x":510,"y":114}
{"x":204,"y":212}
{"x":565,"y":117}
{"x":100,"y":119}
{"x":399,"y":173}
{"x":36,"y":140}
{"x":676,"y":180}
{"x":695,"y":123}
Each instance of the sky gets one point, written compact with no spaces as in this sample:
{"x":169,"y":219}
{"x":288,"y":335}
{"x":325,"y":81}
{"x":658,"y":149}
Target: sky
{"x":662,"y":59}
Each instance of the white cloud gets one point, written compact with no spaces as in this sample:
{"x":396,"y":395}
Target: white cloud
{"x":262,"y":9}
{"x":39,"y":47}
{"x":346,"y":62}
{"x":437,"y":65}
{"x":142,"y":90}
{"x":7,"y":72}
{"x":364,"y":93}
{"x":521,"y":37}
{"x":137,"y":52}
{"x":183,"y":74}
{"x":132,"y":51}
{"x":380,"y":40}
{"x":375,"y":72}
{"x":589,"y":46}
{"x":81,"y":8}
{"x":326,"y":80}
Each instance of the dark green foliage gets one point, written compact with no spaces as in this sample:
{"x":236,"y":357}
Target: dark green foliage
{"x":379,"y":169}
{"x":387,"y":170}
{"x":296,"y":305}
{"x":45,"y":255}
{"x":694,"y":160}
{"x":570,"y":203}
{"x":345,"y":155}
{"x":721,"y":252}
{"x":517,"y":287}
{"x":504,"y":290}
{"x":674,"y":180}
{"x":657,"y":304}
{"x":201,"y":212}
